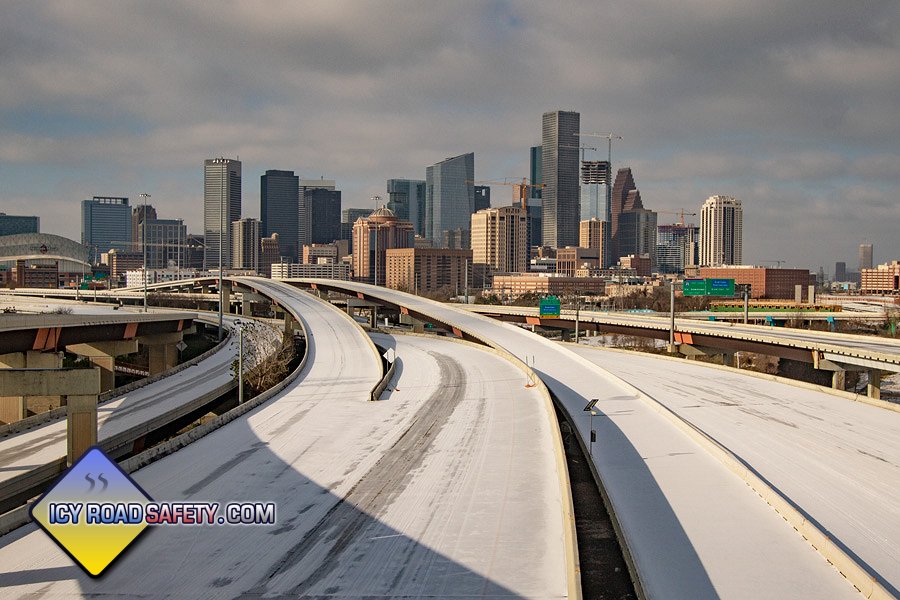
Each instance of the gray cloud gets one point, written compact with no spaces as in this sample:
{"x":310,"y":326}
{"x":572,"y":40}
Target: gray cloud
{"x":790,"y":106}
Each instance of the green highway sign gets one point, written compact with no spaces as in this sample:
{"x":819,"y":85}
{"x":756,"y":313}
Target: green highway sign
{"x":694,"y":287}
{"x":720,"y":287}
{"x":708,"y":287}
{"x":549,"y":306}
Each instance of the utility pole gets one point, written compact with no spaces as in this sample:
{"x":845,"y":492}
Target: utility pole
{"x":144,"y":246}
{"x":240,"y":362}
{"x":467,"y":281}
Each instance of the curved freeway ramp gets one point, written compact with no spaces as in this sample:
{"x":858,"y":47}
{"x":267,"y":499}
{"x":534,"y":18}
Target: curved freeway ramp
{"x":446,"y":488}
{"x":837,"y":461}
{"x":693,"y":529}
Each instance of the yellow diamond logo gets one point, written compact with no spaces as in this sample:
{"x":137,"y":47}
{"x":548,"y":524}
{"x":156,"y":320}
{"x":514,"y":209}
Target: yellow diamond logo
{"x":92,"y":511}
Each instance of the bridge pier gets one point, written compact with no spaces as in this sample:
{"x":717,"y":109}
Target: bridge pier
{"x":839,"y":379}
{"x":162,"y":351}
{"x":873,"y":387}
{"x":17,"y":407}
{"x":103,"y":355}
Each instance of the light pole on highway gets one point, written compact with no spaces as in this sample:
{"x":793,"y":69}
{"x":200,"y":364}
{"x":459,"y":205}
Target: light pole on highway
{"x":144,"y":246}
{"x":593,"y":436}
{"x":240,"y":327}
{"x":672,"y":316}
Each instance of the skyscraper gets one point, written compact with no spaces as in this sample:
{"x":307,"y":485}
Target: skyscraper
{"x":594,"y":233}
{"x":625,"y":196}
{"x":320,"y":216}
{"x":534,"y":204}
{"x":13,"y":224}
{"x":246,"y":245}
{"x":865,"y":256}
{"x":137,"y":217}
{"x":677,"y":247}
{"x":406,"y":198}
{"x":319,"y":213}
{"x":221,"y":208}
{"x":166,"y":241}
{"x":559,"y":169}
{"x":840,"y":271}
{"x":499,"y":238}
{"x":637,"y":234}
{"x":372,"y":237}
{"x":449,"y":197}
{"x":721,"y":231}
{"x":279,"y":209}
{"x":105,"y":224}
{"x":482,"y":194}
{"x":349,"y":216}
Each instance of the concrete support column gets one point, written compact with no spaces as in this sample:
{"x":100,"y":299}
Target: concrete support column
{"x":289,"y":324}
{"x":162,"y":358}
{"x":373,"y":317}
{"x":873,"y":388}
{"x":246,"y":308}
{"x":162,"y":350}
{"x":226,"y":287}
{"x":81,"y":422}
{"x":103,"y":355}
{"x":12,"y":408}
{"x":107,"y":365}
{"x":838,"y":380}
{"x":13,"y":360}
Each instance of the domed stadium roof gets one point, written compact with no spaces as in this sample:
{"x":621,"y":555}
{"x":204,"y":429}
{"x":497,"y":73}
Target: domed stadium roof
{"x":41,"y":246}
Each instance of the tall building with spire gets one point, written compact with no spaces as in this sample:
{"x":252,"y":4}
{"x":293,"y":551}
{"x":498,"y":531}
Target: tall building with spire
{"x":221,"y":208}
{"x":561,"y":195}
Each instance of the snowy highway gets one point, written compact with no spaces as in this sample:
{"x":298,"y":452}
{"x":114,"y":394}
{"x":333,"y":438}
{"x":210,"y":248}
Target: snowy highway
{"x":694,"y":529}
{"x":839,"y":461}
{"x":446,"y":487}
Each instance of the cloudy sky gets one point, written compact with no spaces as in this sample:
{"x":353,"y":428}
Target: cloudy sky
{"x":793,"y":107}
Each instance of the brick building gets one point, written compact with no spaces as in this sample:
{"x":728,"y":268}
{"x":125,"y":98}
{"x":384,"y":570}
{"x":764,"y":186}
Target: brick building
{"x":765,"y":282}
{"x":427,"y":270}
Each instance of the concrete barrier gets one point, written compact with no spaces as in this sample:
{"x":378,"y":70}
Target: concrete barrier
{"x":384,"y":381}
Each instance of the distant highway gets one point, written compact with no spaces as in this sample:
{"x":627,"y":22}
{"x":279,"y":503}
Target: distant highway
{"x":445,"y":488}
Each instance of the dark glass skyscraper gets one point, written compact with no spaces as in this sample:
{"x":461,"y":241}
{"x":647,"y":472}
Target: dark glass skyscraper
{"x":406,"y":198}
{"x":221,"y":207}
{"x":279,"y":205}
{"x":625,"y":197}
{"x":534,"y":204}
{"x":562,"y":190}
{"x":13,"y":224}
{"x":105,"y":224}
{"x":449,"y":198}
{"x":321,"y":208}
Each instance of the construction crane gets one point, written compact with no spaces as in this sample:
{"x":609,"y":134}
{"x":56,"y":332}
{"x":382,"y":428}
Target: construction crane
{"x":520,"y":188}
{"x":678,"y":213}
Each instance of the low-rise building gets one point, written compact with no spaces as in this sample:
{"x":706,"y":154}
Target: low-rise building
{"x":333,"y":270}
{"x":516,"y":284}
{"x":765,"y":282}
{"x":428,"y":270}
{"x":572,"y":258}
{"x":883,"y":279}
{"x":642,"y":264}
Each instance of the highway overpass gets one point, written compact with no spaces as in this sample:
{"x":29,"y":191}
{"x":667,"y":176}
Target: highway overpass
{"x":450,"y":486}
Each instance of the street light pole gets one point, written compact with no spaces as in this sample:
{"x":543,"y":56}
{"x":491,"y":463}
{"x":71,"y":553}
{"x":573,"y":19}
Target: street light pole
{"x":143,"y":224}
{"x":240,"y":362}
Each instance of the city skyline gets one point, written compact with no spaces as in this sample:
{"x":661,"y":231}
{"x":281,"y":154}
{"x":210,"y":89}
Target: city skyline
{"x":728,"y":99}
